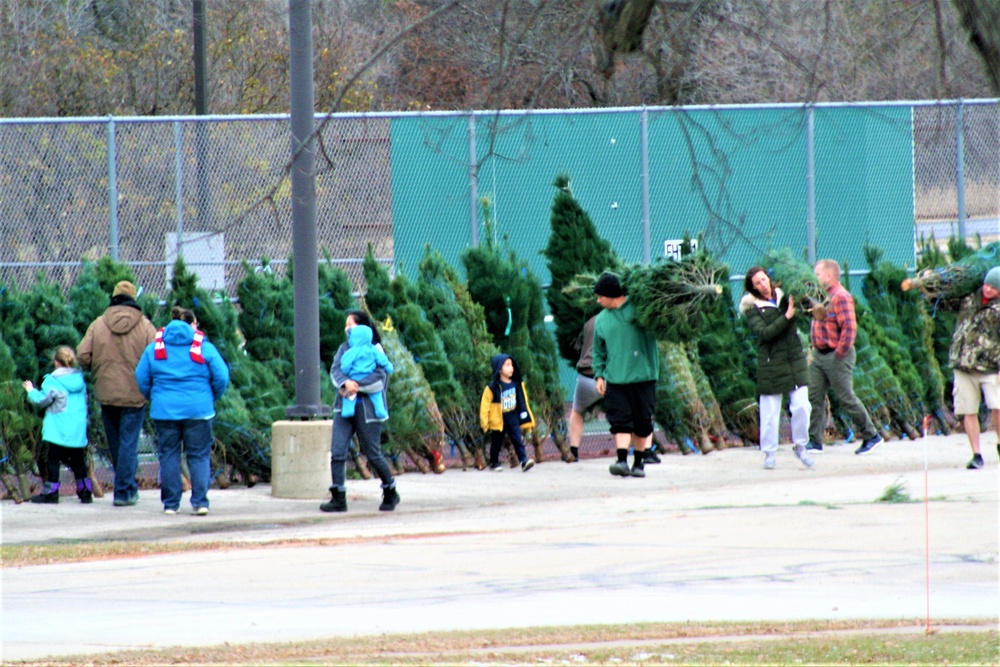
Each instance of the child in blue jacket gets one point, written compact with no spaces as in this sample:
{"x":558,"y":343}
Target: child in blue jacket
{"x":358,"y":363}
{"x":63,"y":394}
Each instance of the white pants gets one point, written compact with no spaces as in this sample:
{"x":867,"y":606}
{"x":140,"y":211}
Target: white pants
{"x":770,"y":418}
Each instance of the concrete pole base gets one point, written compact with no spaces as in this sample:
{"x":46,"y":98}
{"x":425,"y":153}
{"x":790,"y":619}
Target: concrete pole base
{"x":300,"y":459}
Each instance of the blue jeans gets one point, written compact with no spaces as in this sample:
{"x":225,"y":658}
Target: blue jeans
{"x":122,"y":426}
{"x":196,"y":436}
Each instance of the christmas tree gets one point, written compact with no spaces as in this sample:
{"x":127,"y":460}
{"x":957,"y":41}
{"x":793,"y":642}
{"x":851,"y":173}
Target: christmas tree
{"x":511,"y":297}
{"x":20,"y":428}
{"x":574,"y":247}
{"x":461,"y":324}
{"x":266,"y":321}
{"x":394,"y":300}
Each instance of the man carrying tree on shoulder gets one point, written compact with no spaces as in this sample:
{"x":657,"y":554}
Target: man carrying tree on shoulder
{"x":975,"y":358}
{"x":626,"y":366}
{"x":832,"y":364}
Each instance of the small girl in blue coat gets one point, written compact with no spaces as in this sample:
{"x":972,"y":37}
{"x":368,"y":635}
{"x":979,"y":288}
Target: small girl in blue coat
{"x":63,"y":394}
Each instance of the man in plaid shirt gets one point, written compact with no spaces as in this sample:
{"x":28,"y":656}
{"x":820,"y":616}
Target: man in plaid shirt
{"x":832,"y":364}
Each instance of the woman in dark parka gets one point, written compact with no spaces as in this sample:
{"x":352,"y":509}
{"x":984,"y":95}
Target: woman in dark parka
{"x":781,"y":364}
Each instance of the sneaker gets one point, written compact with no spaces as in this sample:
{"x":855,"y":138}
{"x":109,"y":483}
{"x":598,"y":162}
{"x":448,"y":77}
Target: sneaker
{"x":976,"y":463}
{"x":200,"y":511}
{"x":802,"y":455}
{"x":638,"y":472}
{"x":126,"y":502}
{"x":769,"y":461}
{"x":527,"y":465}
{"x":496,"y":468}
{"x":170,"y":511}
{"x":649,"y":456}
{"x":869,"y":444}
{"x":814,"y":446}
{"x":620,"y":468}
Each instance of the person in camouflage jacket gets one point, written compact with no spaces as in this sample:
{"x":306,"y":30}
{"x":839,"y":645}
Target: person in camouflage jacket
{"x":975,"y":359}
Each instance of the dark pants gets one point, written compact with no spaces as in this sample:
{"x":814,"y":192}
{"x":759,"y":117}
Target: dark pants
{"x":828,"y":372}
{"x":73,"y":457}
{"x":369,"y":435}
{"x":496,"y":444}
{"x":629,"y":407}
{"x":122,"y":426}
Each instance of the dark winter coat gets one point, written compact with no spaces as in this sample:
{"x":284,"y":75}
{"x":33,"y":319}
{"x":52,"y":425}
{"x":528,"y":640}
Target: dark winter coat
{"x":781,"y":359}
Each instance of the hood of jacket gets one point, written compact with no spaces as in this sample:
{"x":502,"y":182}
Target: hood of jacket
{"x":497,"y":363}
{"x":750,"y":301}
{"x":359,"y":335}
{"x":178,"y":332}
{"x":71,"y":378}
{"x":123,"y":318}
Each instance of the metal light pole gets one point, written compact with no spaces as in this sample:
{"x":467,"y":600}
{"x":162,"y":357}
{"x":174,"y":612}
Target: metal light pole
{"x":304,"y":234}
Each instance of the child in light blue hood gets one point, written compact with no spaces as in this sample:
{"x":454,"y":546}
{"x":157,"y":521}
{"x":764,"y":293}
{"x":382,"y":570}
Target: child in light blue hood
{"x":358,"y":363}
{"x":63,"y":394}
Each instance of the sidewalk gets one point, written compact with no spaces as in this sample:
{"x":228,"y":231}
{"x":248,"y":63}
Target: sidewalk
{"x":710,"y":537}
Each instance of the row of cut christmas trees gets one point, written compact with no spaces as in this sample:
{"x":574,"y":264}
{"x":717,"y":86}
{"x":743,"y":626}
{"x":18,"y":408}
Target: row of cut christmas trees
{"x":441,"y":332}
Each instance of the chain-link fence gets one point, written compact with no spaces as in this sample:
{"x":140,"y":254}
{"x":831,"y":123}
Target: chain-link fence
{"x":822,"y":179}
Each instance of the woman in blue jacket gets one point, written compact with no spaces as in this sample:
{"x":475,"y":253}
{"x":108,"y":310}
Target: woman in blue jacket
{"x":182,"y":375}
{"x":63,"y":394}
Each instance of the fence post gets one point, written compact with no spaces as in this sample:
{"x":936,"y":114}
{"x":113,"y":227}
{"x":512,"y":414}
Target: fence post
{"x":112,"y":189}
{"x":960,"y":168}
{"x":644,"y":139}
{"x":473,"y":183}
{"x":179,"y":184}
{"x":810,"y":187}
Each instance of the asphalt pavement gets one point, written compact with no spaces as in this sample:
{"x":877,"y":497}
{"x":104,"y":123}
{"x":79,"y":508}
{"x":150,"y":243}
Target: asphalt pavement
{"x":701,"y":538}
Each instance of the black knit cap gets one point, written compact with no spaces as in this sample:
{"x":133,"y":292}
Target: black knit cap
{"x":608,"y":285}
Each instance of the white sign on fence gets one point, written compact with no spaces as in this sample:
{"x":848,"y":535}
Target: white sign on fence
{"x":672,"y":248}
{"x":204,"y":254}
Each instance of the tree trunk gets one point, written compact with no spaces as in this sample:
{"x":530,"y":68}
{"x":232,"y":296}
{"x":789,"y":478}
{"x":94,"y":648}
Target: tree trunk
{"x":418,"y":461}
{"x":97,"y":487}
{"x":981,"y":19}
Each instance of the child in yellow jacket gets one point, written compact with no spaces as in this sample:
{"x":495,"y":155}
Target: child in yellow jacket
{"x":504,"y":410}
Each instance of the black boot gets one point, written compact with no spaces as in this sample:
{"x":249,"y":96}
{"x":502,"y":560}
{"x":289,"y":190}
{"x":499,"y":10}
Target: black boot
{"x":389,"y":500}
{"x":84,"y":491}
{"x":337,"y":502}
{"x":49,"y":494}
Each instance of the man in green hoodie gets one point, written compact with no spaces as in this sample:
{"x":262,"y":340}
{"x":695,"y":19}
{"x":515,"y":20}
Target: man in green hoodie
{"x":626,"y":366}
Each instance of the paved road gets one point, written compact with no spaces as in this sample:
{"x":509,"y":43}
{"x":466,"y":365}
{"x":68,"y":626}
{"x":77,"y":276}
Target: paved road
{"x":710,"y":537}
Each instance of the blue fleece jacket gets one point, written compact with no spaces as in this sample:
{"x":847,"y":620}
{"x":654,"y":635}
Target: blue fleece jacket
{"x":180,"y":387}
{"x":63,"y":394}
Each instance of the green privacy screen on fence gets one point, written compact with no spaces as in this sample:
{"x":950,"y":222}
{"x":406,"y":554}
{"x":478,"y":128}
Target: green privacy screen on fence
{"x":740,"y":177}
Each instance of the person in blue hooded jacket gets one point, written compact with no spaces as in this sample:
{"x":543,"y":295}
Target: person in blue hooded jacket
{"x":361,"y":361}
{"x":63,"y":394}
{"x":182,"y":375}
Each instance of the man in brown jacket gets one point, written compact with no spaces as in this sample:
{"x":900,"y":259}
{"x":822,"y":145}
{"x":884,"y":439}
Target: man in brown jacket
{"x":110,"y":350}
